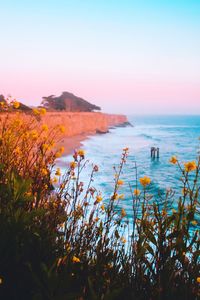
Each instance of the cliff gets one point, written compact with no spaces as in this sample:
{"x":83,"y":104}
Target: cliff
{"x":84,"y":122}
{"x":78,"y":125}
{"x":68,"y":102}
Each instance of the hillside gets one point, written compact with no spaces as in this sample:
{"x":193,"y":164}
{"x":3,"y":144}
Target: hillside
{"x":22,"y":106}
{"x":68,"y":102}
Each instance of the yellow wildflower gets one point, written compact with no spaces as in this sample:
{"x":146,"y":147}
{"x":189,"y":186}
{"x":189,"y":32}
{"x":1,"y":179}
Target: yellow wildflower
{"x":28,"y":194}
{"x":62,"y":226}
{"x":45,"y":147}
{"x":120,"y":182}
{"x":58,"y":154}
{"x":123,"y":213}
{"x":67,"y":247}
{"x":16,"y":104}
{"x":36,"y":111}
{"x":62,"y":149}
{"x":103,"y":207}
{"x":81,"y":152}
{"x":121,"y":196}
{"x":136,"y":192}
{"x":26,"y":135}
{"x":58,"y":172}
{"x":145,"y":181}
{"x":42,"y":111}
{"x":123,"y":240}
{"x":190,"y":166}
{"x":52,"y":144}
{"x":62,"y":186}
{"x":45,"y":127}
{"x":198,"y":279}
{"x":73,"y":165}
{"x":173,"y":160}
{"x":99,"y":198}
{"x":17,"y":150}
{"x":54,"y":180}
{"x":194,"y":222}
{"x":75,"y":259}
{"x":17,"y":122}
{"x":62,"y":128}
{"x":44,"y":172}
{"x":34,"y":134}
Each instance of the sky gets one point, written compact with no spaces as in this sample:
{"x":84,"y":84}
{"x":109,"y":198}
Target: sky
{"x":127,"y":56}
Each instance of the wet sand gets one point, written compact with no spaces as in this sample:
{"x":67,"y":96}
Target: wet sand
{"x":70,"y":144}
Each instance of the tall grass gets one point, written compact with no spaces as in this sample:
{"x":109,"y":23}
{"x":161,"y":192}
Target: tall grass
{"x":60,"y":239}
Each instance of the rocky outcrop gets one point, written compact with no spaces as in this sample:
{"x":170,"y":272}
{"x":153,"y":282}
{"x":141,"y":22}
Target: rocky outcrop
{"x":68,"y":102}
{"x":83,"y":123}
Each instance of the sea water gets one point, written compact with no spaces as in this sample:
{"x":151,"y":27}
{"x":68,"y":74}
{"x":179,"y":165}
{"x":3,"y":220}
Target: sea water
{"x":174,"y":135}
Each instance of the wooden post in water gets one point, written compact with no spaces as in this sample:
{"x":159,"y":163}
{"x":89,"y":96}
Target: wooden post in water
{"x":155,"y":152}
{"x":158,"y":154}
{"x":152,"y":152}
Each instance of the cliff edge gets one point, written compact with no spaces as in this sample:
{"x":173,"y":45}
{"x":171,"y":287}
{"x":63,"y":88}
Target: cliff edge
{"x":83,"y":122}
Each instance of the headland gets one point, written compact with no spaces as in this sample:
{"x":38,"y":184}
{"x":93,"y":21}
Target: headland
{"x":79,"y":125}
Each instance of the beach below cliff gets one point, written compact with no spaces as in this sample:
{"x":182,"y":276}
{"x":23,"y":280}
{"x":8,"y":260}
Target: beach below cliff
{"x":80,"y":125}
{"x":70,"y":143}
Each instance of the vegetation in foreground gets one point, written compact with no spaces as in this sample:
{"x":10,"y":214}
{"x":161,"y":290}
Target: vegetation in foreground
{"x":61,"y":240}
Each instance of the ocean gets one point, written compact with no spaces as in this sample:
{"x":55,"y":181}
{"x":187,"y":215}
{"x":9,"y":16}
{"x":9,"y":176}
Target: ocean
{"x":174,"y":135}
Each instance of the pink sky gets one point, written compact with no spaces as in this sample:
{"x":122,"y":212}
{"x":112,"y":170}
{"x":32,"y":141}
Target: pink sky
{"x":127,"y":58}
{"x":112,"y":94}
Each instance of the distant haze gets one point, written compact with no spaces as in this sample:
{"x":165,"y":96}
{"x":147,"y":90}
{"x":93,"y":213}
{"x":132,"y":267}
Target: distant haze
{"x":125,"y":56}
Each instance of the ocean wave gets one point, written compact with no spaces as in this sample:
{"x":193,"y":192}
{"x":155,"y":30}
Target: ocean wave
{"x":147,"y":136}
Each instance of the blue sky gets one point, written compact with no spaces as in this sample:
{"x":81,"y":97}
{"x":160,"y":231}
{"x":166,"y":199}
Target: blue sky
{"x":125,"y":56}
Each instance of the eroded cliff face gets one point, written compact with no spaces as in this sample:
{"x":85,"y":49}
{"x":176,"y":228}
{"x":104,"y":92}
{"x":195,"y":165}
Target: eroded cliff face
{"x":83,"y":122}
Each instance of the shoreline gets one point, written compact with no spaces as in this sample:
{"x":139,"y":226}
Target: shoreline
{"x":71,"y":143}
{"x":80,"y":125}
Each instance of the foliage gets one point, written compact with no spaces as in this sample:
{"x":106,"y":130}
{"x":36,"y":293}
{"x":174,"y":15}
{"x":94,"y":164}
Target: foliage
{"x":68,"y":102}
{"x":61,"y":240}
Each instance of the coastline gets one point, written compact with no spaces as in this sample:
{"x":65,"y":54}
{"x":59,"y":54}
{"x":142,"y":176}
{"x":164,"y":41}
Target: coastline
{"x":72,"y":142}
{"x":80,"y":125}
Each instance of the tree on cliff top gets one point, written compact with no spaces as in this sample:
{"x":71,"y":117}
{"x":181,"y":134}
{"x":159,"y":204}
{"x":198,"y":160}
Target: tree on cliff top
{"x":2,"y":98}
{"x":68,"y":102}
